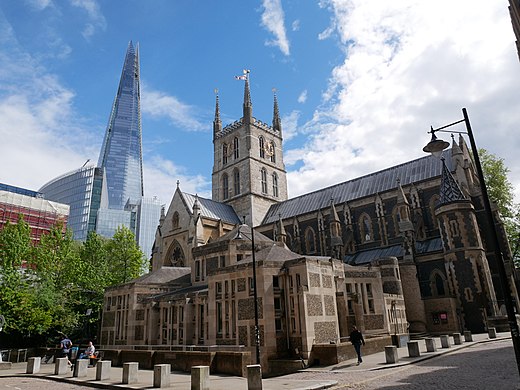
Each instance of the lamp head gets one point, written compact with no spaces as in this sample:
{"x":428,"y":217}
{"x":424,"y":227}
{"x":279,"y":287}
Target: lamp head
{"x":436,"y":146}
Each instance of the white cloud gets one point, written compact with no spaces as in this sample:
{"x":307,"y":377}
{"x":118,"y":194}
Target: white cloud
{"x":162,"y":176}
{"x":273,"y":21}
{"x":290,"y":126}
{"x":408,"y":65}
{"x":97,"y":20}
{"x":40,"y":4}
{"x":303,"y":97}
{"x":159,"y":104}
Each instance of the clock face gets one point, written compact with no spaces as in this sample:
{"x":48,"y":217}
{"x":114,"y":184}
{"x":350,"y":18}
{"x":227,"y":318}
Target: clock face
{"x":269,"y":148}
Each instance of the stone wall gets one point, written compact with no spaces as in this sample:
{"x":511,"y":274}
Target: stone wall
{"x":328,"y":354}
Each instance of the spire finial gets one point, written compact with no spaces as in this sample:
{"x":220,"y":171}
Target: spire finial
{"x":217,"y":123}
{"x":247,"y":92}
{"x":178,"y":183}
{"x":277,"y":123}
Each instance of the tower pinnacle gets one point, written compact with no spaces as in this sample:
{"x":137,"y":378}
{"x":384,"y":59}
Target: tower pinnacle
{"x":217,"y":123}
{"x":277,"y":124}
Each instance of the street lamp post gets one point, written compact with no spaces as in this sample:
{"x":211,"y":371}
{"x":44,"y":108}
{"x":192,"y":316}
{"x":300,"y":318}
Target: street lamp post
{"x":239,"y":236}
{"x":436,"y":146}
{"x":255,"y":297}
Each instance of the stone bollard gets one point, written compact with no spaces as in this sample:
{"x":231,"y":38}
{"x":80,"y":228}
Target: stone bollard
{"x":33,"y":365}
{"x":391,"y":354}
{"x":80,"y":368}
{"x":254,"y":377}
{"x":130,"y":372}
{"x":413,"y":349}
{"x":457,"y":338}
{"x":430,"y":344}
{"x":161,"y":375}
{"x":492,"y":333}
{"x":445,"y":341}
{"x":103,"y":368}
{"x":467,"y":336}
{"x":61,"y":366}
{"x":200,"y":378}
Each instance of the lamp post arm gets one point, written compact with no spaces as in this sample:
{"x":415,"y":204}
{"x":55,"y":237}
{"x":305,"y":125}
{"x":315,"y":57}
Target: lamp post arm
{"x":506,"y":286}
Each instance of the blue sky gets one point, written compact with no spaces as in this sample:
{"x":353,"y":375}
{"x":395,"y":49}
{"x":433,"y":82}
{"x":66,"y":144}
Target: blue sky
{"x":358,"y":82}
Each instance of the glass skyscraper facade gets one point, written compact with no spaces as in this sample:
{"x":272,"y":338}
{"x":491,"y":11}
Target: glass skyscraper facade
{"x":111,"y":195}
{"x":82,"y":190}
{"x":121,"y":153}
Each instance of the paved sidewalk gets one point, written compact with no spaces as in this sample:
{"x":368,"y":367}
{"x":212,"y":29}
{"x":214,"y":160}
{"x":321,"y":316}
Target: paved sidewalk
{"x":377,"y":361}
{"x":182,"y":381}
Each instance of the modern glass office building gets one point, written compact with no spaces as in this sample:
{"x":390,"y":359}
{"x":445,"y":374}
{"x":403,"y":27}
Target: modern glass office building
{"x":82,"y":190}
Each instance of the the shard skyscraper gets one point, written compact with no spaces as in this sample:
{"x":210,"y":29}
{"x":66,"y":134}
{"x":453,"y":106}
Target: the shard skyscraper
{"x":110,"y":195}
{"x":121,"y":153}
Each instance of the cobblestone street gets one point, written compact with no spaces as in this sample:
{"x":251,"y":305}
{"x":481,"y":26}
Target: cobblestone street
{"x":486,"y":366}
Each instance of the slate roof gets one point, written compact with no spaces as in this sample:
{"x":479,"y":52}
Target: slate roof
{"x":162,"y":275}
{"x":211,"y":209}
{"x":364,"y":257}
{"x":410,"y":172}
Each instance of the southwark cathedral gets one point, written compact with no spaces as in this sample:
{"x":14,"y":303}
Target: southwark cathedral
{"x":399,"y":252}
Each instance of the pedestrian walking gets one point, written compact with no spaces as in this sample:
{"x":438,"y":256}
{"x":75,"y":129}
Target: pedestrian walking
{"x":356,"y":338}
{"x":65,"y":346}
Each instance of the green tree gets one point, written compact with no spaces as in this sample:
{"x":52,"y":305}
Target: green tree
{"x":501,"y":191}
{"x":22,"y":298}
{"x":126,"y":261}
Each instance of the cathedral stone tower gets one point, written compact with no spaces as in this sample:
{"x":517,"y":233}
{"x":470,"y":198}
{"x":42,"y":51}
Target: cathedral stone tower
{"x":467,"y":269}
{"x":248,"y":169}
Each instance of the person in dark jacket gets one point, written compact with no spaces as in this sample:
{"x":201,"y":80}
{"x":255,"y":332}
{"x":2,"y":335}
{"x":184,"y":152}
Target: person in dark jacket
{"x":356,"y":338}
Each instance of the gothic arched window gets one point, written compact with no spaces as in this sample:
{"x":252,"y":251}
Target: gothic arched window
{"x":396,"y":216}
{"x":224,"y":154}
{"x":273,"y":152}
{"x":275,"y":185}
{"x":236,"y":181}
{"x":310,"y":240}
{"x":365,"y":228}
{"x":261,"y":142}
{"x":434,"y":201}
{"x":437,"y":283}
{"x":235,"y":148}
{"x":263,"y":174}
{"x":225,"y":186}
{"x":176,"y":255}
